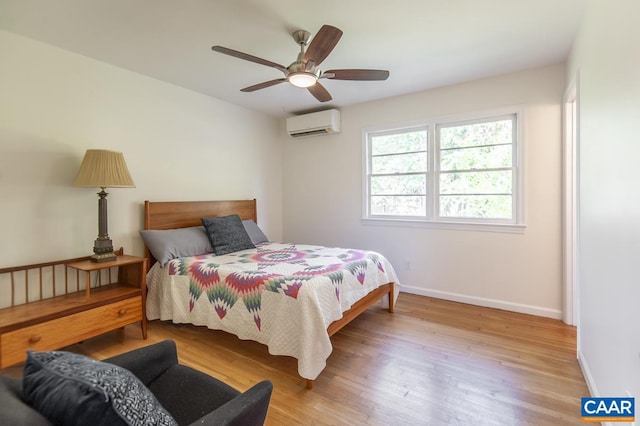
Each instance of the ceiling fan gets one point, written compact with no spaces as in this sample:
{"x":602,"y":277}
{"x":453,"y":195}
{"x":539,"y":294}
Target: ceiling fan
{"x":304,"y":71}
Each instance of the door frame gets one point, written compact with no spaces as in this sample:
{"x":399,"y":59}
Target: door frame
{"x":571,"y":202}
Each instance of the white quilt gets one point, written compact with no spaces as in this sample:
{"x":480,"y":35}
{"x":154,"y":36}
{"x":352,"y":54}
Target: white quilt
{"x":281,"y":295}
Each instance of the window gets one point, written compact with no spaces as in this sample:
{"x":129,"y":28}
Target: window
{"x":398,"y":178}
{"x":446,"y":171}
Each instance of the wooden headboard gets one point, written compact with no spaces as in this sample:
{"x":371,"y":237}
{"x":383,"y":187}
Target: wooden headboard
{"x":182,"y":214}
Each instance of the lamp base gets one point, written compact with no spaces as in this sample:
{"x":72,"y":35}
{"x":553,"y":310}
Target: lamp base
{"x":103,"y":250}
{"x":105,"y":257}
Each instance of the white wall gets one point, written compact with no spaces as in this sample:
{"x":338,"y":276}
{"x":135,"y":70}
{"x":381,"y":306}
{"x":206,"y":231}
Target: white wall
{"x":322,"y":193}
{"x":179,"y":145}
{"x":607,"y":56}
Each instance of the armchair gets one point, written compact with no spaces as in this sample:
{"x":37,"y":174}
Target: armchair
{"x":190,"y":396}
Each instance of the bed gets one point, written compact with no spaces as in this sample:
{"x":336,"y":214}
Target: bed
{"x":290,"y":297}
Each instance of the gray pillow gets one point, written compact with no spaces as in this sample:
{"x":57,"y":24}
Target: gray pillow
{"x":72,"y":389}
{"x":255,"y":233}
{"x":169,"y":244}
{"x":227,"y":234}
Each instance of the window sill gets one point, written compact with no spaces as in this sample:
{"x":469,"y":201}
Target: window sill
{"x":458,"y":226}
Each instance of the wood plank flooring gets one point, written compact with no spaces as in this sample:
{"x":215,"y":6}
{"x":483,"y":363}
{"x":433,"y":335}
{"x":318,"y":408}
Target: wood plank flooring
{"x":432,"y":362}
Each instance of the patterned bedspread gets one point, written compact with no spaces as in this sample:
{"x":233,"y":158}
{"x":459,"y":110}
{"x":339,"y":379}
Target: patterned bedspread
{"x":282,"y":295}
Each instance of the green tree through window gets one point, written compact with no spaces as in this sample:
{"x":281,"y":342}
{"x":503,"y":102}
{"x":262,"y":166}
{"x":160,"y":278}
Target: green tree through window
{"x":451,"y":171}
{"x":476,"y":169}
{"x":398,"y":179}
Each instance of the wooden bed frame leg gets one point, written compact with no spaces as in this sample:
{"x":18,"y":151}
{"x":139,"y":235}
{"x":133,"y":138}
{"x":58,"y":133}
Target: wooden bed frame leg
{"x":309,"y":384}
{"x":391,"y":301}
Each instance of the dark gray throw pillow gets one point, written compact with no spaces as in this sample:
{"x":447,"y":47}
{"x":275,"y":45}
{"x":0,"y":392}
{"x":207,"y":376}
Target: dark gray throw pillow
{"x":73,"y":389}
{"x":227,"y":234}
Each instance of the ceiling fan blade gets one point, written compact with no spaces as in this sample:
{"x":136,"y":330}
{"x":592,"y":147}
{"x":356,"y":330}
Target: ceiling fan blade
{"x":322,"y":44}
{"x":367,"y":75}
{"x":263,"y":85}
{"x":319,"y":92}
{"x":248,"y":57}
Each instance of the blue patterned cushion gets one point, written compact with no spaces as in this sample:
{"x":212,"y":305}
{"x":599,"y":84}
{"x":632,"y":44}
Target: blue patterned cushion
{"x":227,"y":234}
{"x":73,"y":389}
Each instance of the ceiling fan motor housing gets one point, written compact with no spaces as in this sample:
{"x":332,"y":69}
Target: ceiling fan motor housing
{"x":300,"y":66}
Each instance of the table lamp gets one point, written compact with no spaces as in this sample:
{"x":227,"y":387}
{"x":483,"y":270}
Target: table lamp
{"x":103,"y":169}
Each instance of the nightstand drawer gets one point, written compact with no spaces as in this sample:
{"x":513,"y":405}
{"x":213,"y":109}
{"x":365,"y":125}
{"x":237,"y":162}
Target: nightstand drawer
{"x":67,"y":330}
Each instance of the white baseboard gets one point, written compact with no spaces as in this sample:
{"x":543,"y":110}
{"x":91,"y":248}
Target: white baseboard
{"x":591,"y":384}
{"x":593,"y":389}
{"x":483,"y":301}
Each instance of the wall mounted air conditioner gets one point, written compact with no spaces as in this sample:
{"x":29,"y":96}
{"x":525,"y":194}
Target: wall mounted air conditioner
{"x":317,"y":123}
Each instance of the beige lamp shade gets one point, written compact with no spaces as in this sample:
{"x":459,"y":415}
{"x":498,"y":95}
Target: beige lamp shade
{"x":104,"y":169}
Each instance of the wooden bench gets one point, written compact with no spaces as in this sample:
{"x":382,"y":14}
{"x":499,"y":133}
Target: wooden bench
{"x":51,"y":305}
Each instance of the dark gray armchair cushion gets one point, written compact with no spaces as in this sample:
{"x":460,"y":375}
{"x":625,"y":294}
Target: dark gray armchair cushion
{"x":191,"y":396}
{"x":13,"y":410}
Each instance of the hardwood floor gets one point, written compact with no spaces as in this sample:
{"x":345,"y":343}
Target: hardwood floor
{"x":431,"y":362}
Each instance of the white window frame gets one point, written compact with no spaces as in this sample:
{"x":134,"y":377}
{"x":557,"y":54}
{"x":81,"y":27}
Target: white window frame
{"x":432,"y":217}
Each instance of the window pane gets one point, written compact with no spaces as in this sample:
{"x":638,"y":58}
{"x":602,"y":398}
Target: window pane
{"x":486,"y":157}
{"x":402,"y":163}
{"x":498,"y":182}
{"x":398,"y":185}
{"x":476,"y":206}
{"x":490,"y":133}
{"x":398,"y":206}
{"x":399,"y":143}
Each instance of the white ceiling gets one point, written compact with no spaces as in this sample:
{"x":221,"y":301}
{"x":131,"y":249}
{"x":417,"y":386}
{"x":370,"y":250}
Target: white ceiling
{"x":423,"y":43}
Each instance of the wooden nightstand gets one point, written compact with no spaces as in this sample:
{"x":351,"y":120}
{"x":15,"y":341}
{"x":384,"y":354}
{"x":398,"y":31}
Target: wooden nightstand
{"x":110,"y":301}
{"x":131,"y":284}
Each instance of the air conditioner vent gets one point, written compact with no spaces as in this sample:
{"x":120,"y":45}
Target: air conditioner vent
{"x":314,"y":124}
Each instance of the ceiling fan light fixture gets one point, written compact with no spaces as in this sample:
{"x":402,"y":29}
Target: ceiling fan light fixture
{"x":302,"y":79}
